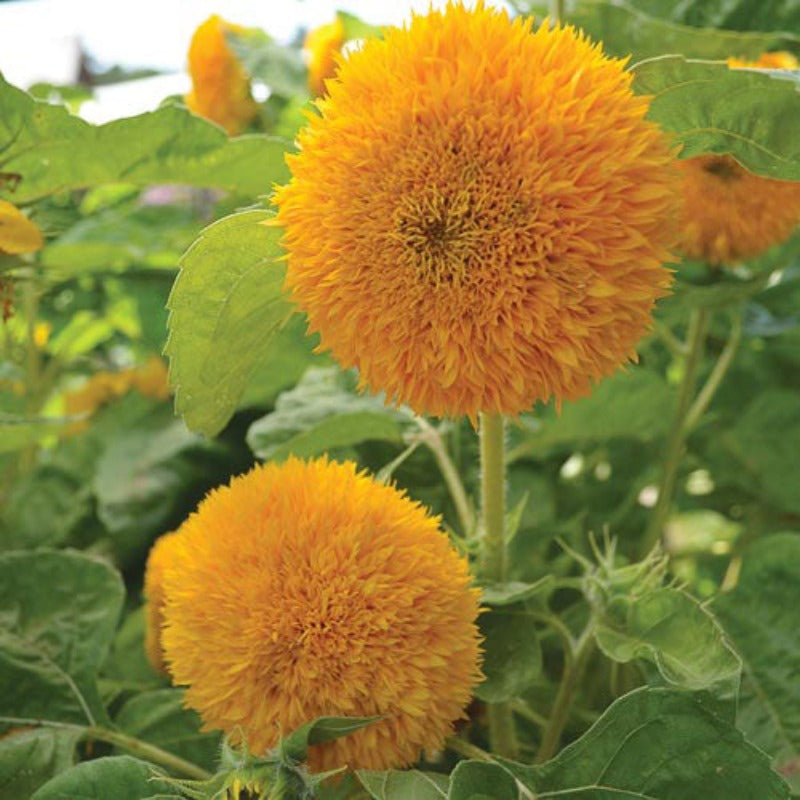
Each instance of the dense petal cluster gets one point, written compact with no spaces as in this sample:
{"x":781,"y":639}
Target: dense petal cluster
{"x":220,"y":86}
{"x":307,"y":590}
{"x":18,"y":234}
{"x":729,"y":214}
{"x":322,"y":46}
{"x":160,"y":555}
{"x":479,"y":217}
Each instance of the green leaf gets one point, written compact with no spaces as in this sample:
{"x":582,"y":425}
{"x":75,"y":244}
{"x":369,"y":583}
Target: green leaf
{"x":712,"y":109}
{"x":756,"y":616}
{"x":512,"y":653}
{"x":404,"y":785}
{"x":18,"y":432}
{"x":356,"y":28}
{"x":127,"y":667}
{"x":764,"y":441}
{"x":626,"y":30}
{"x":479,"y":780}
{"x":746,"y":15}
{"x":324,"y":411}
{"x":225,"y":307}
{"x":159,"y":717}
{"x":52,"y":150}
{"x":147,"y":475}
{"x":281,"y":68}
{"x":671,"y":629}
{"x":656,"y":744}
{"x":29,"y":758}
{"x":324,"y":729}
{"x":506,"y":594}
{"x":59,"y":610}
{"x":117,"y":777}
{"x":634,"y":404}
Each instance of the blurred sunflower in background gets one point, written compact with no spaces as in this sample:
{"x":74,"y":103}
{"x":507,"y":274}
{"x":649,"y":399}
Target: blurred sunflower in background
{"x":477,"y":233}
{"x":322,"y":46}
{"x":307,"y":589}
{"x":730,"y":214}
{"x":18,"y":234}
{"x":220,"y":86}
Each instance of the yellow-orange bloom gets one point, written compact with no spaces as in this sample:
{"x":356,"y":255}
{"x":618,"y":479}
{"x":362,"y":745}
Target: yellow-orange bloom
{"x":220,"y":86}
{"x":729,"y":214}
{"x":18,"y":234}
{"x":149,"y":379}
{"x":306,"y":590}
{"x":480,"y":216}
{"x":159,"y":556}
{"x":322,"y":46}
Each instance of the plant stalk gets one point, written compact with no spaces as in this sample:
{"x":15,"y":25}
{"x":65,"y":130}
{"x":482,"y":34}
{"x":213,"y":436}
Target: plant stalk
{"x":502,"y":733}
{"x":698,"y":326}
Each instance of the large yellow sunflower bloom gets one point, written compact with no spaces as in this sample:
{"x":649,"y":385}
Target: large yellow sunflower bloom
{"x":729,"y":214}
{"x":307,"y":590}
{"x":220,"y":86}
{"x":479,"y":217}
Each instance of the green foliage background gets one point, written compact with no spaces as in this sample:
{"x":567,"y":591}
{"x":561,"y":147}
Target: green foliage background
{"x":683,"y":670}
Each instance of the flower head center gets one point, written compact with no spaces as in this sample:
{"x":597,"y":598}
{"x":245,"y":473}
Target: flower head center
{"x":724,"y":167}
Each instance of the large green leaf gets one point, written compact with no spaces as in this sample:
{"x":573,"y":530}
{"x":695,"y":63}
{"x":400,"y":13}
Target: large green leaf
{"x":713,"y":109}
{"x":404,"y":785}
{"x":225,"y":307}
{"x":624,"y":29}
{"x":59,"y":610}
{"x":112,"y":778}
{"x":760,"y":617}
{"x":633,"y":404}
{"x":51,"y":150}
{"x":671,"y":629}
{"x":478,"y":780}
{"x":656,"y":744}
{"x":322,"y":412}
{"x":29,"y":758}
{"x":159,"y":717}
{"x":512,"y":653}
{"x":764,"y":442}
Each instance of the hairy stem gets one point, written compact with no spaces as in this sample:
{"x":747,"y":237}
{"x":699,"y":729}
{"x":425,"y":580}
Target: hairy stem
{"x":698,"y":326}
{"x":467,"y":749}
{"x":502,"y":733}
{"x":574,"y":664}
{"x":148,"y":751}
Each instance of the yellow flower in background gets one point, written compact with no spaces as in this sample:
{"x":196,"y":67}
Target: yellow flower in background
{"x":154,"y":595}
{"x":322,"y":46}
{"x":779,"y":59}
{"x":729,"y":214}
{"x":149,"y":379}
{"x":480,"y":216}
{"x":18,"y":234}
{"x":41,"y":334}
{"x":220,"y":86}
{"x":307,"y":590}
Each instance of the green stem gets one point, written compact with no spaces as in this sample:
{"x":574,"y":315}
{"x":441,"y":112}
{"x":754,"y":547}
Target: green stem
{"x":574,"y":665}
{"x":706,"y":394}
{"x":502,"y":733}
{"x":148,"y":751}
{"x":433,"y":440}
{"x":698,"y":326}
{"x":467,"y":749}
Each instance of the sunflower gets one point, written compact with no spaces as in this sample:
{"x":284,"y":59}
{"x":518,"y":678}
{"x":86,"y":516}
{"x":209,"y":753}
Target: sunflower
{"x":154,"y":597}
{"x":729,"y":214}
{"x":323,"y":45}
{"x":478,"y":218}
{"x":307,"y":590}
{"x":18,"y":234}
{"x":220,"y":86}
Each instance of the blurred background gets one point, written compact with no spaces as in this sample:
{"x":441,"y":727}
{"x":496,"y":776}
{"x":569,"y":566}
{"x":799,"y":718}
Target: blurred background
{"x":133,"y":54}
